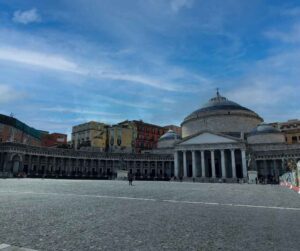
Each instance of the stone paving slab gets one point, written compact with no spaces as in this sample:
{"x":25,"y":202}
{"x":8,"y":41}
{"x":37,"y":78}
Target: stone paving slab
{"x":6,"y":247}
{"x":71,"y":215}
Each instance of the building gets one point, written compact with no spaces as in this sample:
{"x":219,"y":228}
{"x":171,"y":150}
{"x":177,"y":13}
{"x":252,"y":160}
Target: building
{"x":54,"y":140}
{"x":91,"y":136}
{"x":221,"y":142}
{"x":13,"y":130}
{"x":291,"y":130}
{"x":34,"y":161}
{"x":224,"y":141}
{"x":145,"y":135}
{"x":223,"y":116}
{"x":174,"y":128}
{"x":122,"y":137}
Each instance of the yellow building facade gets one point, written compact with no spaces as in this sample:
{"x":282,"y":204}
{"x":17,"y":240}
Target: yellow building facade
{"x":122,"y":138}
{"x":291,"y":130}
{"x":92,"y":134}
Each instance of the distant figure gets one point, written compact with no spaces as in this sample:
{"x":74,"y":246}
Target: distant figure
{"x":130,"y":179}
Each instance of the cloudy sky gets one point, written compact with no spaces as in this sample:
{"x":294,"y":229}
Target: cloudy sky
{"x":66,"y":62}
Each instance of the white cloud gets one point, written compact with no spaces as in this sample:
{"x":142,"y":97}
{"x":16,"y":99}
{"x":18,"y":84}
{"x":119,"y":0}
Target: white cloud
{"x":9,"y":94}
{"x":260,"y":93}
{"x":271,"y":86}
{"x":141,"y":79}
{"x":78,"y":111}
{"x":61,"y":63}
{"x":125,"y":103}
{"x":177,"y":5}
{"x":293,"y":12}
{"x":44,"y":60}
{"x":26,"y":17}
{"x":290,"y":36}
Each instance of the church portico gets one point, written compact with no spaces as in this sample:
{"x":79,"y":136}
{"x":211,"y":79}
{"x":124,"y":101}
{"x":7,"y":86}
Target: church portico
{"x":215,"y":164}
{"x":208,"y":156}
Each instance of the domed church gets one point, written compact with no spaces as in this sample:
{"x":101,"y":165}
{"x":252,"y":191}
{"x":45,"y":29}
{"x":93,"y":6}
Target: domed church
{"x":226,"y":142}
{"x":222,"y":116}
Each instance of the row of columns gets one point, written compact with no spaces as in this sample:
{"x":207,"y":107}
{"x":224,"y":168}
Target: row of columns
{"x":213,"y":167}
{"x":164,"y":168}
{"x":37,"y":163}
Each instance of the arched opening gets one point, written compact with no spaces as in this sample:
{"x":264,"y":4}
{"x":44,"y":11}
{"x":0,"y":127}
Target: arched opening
{"x":16,"y":167}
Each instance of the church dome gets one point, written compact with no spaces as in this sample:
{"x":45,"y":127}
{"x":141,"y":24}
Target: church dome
{"x":169,"y":135}
{"x":264,"y":128}
{"x":168,"y":140}
{"x":217,"y":103}
{"x":264,"y":134}
{"x":222,"y":116}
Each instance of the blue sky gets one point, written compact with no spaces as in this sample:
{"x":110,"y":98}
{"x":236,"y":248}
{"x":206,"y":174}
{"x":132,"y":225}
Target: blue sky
{"x":71,"y":61}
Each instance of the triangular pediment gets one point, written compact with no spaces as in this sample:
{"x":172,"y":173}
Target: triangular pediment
{"x":207,"y":138}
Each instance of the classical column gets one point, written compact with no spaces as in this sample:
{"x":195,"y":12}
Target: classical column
{"x":266,"y":171}
{"x":77,"y":167}
{"x":112,"y":166}
{"x":194,"y":164}
{"x":84,"y":167}
{"x":244,"y":164}
{"x":282,"y":165}
{"x":54,"y":165}
{"x":202,"y":165}
{"x":184,"y":164}
{"x":29,"y":164}
{"x":276,"y":171}
{"x":46,"y":165}
{"x":68,"y":164}
{"x":38,"y":164}
{"x":213,"y":166}
{"x":233,"y":164}
{"x":223,"y":164}
{"x":176,"y":166}
{"x":62,"y":166}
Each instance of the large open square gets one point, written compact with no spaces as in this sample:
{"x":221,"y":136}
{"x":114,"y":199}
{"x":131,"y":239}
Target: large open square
{"x":111,"y":215}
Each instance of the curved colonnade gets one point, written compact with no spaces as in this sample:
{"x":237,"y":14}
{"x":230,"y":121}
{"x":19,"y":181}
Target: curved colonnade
{"x":47,"y":162}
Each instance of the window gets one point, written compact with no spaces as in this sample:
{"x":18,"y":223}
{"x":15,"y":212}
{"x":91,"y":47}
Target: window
{"x":294,"y":139}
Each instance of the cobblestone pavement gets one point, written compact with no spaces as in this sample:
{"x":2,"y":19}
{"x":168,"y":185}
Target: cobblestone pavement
{"x":6,"y":247}
{"x":110,"y":215}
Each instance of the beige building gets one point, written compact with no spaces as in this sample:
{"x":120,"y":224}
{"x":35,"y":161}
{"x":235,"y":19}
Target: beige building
{"x":291,"y":130}
{"x":122,"y":138}
{"x":91,"y":135}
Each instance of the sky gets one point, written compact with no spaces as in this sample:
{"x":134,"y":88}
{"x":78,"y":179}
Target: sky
{"x":66,"y":62}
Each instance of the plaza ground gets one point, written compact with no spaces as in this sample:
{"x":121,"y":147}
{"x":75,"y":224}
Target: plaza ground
{"x":110,"y":215}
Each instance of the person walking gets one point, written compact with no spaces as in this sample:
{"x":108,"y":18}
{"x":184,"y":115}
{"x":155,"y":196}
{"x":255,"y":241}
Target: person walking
{"x":130,"y":179}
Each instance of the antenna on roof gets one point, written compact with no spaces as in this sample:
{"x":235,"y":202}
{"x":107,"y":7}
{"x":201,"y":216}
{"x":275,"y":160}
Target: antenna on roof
{"x":218,"y":94}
